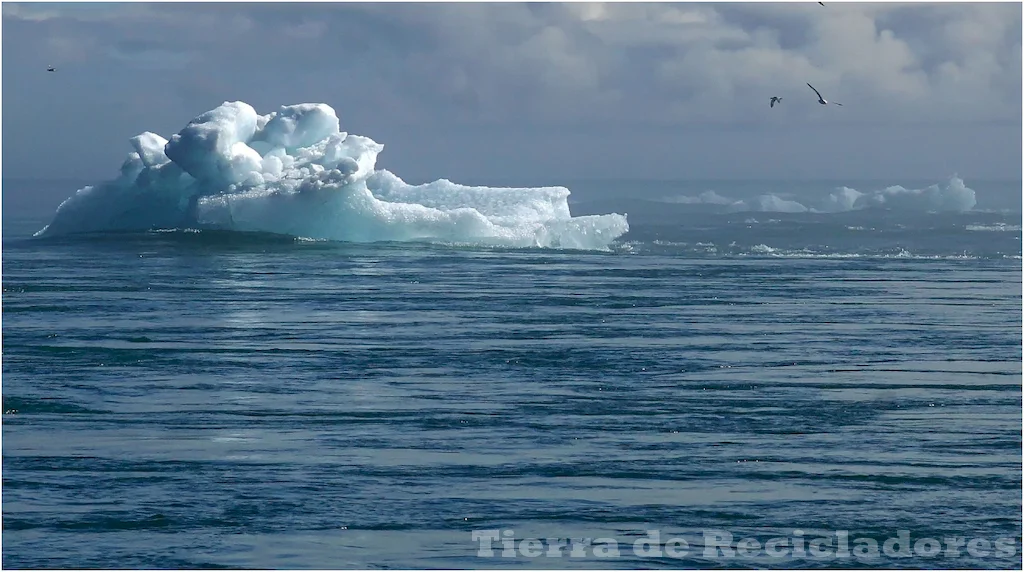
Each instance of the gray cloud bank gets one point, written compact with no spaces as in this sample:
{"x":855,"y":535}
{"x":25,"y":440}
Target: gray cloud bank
{"x":567,"y":90}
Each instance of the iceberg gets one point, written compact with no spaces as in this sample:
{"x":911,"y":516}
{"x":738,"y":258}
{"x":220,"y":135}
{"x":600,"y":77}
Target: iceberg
{"x":953,"y":196}
{"x":294,"y":172}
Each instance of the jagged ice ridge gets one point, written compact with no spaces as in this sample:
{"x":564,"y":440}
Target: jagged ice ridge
{"x":294,"y":172}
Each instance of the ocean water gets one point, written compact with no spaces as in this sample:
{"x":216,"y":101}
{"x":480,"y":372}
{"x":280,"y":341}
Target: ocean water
{"x":209,"y":399}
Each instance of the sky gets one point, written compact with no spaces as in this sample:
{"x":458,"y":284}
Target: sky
{"x":478,"y":92}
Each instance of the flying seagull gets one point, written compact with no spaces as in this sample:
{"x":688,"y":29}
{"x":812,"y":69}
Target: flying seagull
{"x":51,"y":69}
{"x":774,"y":99}
{"x":821,"y":99}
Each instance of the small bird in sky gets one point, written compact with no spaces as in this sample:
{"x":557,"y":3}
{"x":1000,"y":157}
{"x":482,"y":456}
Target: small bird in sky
{"x":775,"y":99}
{"x":51,"y":69}
{"x":822,"y":3}
{"x":821,"y":99}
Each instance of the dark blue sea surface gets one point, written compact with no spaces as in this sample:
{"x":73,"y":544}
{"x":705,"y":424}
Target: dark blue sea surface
{"x":194,"y":399}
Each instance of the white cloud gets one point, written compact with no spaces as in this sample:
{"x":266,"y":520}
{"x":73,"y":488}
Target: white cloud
{"x":888,"y":62}
{"x":40,"y":12}
{"x":892,"y":62}
{"x":635,"y":24}
{"x":621,"y":67}
{"x":307,"y":30}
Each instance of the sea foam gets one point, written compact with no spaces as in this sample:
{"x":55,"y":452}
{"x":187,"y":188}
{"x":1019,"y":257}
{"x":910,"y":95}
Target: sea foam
{"x":294,"y":172}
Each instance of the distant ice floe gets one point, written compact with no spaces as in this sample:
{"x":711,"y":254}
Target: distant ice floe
{"x":952,"y":196}
{"x":294,"y":172}
{"x":997,"y":227}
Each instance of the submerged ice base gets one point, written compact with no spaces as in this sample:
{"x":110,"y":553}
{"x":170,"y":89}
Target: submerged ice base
{"x":294,"y":172}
